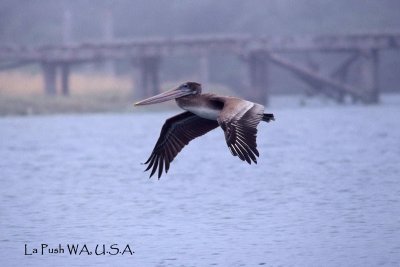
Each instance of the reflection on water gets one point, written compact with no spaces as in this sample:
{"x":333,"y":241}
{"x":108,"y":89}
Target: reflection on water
{"x":325,"y":192}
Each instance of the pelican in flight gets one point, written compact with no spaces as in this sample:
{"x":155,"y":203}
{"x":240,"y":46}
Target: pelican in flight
{"x":238,"y":119}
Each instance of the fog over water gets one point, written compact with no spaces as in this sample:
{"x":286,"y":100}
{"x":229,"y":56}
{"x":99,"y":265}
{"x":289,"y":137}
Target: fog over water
{"x":324,"y":193}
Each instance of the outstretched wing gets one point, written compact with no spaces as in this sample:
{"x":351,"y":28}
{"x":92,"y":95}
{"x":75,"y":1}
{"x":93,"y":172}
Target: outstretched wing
{"x":176,"y":132}
{"x":239,"y":119}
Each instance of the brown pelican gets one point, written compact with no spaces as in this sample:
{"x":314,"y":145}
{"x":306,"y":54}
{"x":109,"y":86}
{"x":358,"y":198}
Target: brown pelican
{"x":204,"y":112}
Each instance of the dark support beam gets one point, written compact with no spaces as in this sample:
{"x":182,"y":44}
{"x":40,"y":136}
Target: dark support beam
{"x":154,"y":74}
{"x":65,"y":68}
{"x":146,"y":75}
{"x":144,"y":78}
{"x":137,"y":88}
{"x":342,"y":76}
{"x":312,"y":65}
{"x":369,"y":76}
{"x":258,"y":71}
{"x":307,"y":74}
{"x":204,"y":69}
{"x":342,"y":72}
{"x":49,"y":78}
{"x":344,"y":66}
{"x":318,"y":86}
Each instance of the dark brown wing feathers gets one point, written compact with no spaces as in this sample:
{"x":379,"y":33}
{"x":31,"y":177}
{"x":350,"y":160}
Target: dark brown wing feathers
{"x":176,"y":132}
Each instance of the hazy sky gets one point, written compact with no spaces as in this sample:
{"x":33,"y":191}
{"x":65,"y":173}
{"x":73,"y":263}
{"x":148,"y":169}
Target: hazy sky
{"x":23,"y":21}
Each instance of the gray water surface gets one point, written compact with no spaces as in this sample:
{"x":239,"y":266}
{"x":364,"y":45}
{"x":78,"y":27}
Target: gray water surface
{"x":326,"y":191}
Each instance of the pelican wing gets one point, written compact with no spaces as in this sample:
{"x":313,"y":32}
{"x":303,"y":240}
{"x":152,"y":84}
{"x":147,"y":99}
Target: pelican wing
{"x":239,"y":119}
{"x":176,"y":132}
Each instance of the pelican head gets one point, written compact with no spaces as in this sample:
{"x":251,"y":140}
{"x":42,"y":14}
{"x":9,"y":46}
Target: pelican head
{"x":188,"y":88}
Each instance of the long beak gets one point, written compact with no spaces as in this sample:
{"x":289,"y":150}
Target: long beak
{"x":168,"y":95}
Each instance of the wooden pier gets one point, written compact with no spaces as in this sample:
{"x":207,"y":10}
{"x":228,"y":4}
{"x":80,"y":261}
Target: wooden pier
{"x":257,"y":52}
